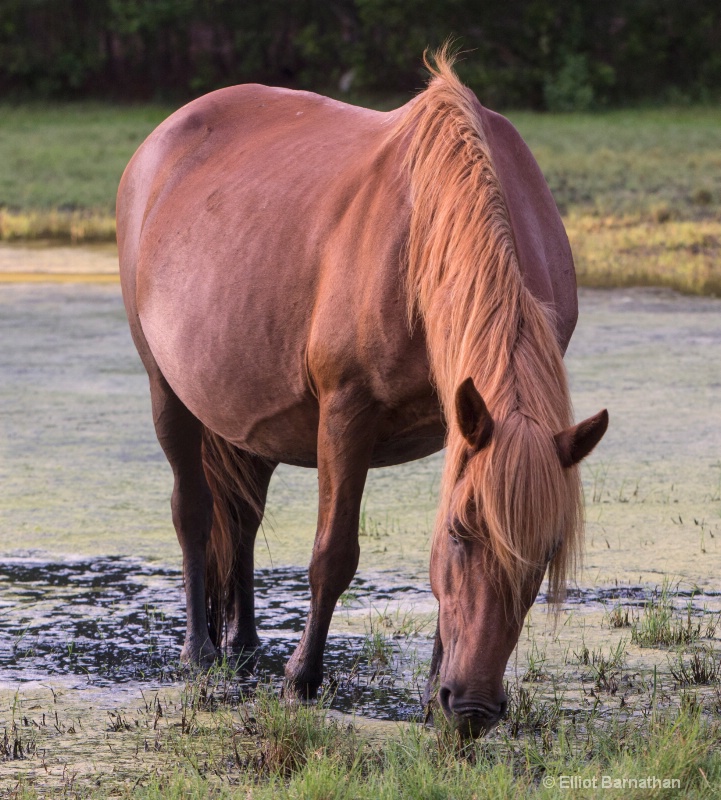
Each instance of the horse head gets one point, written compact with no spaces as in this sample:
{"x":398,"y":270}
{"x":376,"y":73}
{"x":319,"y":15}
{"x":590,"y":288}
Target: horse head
{"x":513,"y":509}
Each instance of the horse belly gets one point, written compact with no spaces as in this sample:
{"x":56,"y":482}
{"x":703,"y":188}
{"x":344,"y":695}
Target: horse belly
{"x":255,"y":242}
{"x":232,"y":348}
{"x":401,"y":451}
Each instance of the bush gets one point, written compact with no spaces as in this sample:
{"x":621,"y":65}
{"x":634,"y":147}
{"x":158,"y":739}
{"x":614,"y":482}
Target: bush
{"x":565,"y":54}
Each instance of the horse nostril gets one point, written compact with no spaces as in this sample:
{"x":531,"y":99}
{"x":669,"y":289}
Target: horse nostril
{"x":503,"y":707}
{"x":444,"y":698}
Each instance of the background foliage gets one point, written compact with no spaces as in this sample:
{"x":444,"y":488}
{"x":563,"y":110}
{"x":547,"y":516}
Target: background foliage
{"x":554,"y":54}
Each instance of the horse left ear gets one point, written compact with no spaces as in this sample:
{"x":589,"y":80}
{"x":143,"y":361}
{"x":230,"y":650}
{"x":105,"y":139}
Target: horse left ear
{"x":576,"y":443}
{"x":473,"y":417}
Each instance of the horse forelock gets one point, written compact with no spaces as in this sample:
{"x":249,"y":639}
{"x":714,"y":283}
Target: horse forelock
{"x":520,"y":501}
{"x":465,"y":282}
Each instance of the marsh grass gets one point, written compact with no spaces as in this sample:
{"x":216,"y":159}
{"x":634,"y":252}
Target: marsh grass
{"x":619,"y":617}
{"x":275,"y":750}
{"x":684,"y":255}
{"x":57,"y":226}
{"x":68,"y":157}
{"x":214,"y":740}
{"x":535,"y":667}
{"x":659,"y":624}
{"x":702,"y":669}
{"x":280,"y":737}
{"x":639,"y":190}
{"x":588,"y":714}
{"x":658,"y":164}
{"x":378,"y":645}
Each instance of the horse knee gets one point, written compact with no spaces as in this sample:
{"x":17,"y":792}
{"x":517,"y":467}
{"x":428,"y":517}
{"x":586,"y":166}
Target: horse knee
{"x":334,"y":564}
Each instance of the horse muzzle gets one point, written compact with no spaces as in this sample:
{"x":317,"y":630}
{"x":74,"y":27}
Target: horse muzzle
{"x":470,"y":718}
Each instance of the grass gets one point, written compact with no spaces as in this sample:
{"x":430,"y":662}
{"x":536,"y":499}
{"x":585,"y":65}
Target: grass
{"x":269,"y":748}
{"x":702,"y":669}
{"x":60,"y":166}
{"x":659,"y":625}
{"x":570,"y":727}
{"x":639,"y":190}
{"x":68,"y":157}
{"x":657,"y":164}
{"x":635,"y":251}
{"x":56,"y":225}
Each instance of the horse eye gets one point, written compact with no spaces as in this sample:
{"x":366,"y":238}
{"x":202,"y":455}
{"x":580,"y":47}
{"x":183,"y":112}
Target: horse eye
{"x":456,"y":531}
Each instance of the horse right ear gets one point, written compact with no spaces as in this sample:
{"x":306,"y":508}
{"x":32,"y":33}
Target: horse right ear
{"x":577,"y":442}
{"x":473,"y":417}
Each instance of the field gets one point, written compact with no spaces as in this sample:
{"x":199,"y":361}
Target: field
{"x":640,"y":190}
{"x":620,"y":698}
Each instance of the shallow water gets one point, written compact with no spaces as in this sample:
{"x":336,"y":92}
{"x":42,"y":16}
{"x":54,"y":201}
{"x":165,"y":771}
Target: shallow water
{"x":110,"y":621}
{"x":90,"y":590}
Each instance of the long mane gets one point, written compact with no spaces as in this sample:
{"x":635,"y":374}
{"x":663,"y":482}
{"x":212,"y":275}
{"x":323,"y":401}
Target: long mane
{"x":465,"y":286}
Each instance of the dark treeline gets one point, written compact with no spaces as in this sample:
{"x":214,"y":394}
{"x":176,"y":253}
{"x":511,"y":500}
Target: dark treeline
{"x":557,"y":54}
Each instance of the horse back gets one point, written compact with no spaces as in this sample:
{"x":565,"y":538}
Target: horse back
{"x":542,"y":246}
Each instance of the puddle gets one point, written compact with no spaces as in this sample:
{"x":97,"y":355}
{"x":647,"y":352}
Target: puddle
{"x":116,"y":620}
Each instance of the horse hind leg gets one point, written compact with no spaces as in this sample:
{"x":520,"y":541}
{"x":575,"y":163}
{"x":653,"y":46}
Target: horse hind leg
{"x":239,"y":482}
{"x":180,"y":436}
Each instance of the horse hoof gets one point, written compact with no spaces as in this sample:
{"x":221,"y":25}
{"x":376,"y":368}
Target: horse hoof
{"x":203,"y":655}
{"x":300,"y":683}
{"x":304,"y":692}
{"x":240,"y":642}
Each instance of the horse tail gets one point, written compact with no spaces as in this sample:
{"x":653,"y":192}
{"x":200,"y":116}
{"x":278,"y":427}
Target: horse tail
{"x":232,"y":482}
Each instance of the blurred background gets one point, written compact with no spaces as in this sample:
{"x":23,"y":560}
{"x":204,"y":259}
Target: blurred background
{"x":618,"y":101}
{"x":541,"y":54}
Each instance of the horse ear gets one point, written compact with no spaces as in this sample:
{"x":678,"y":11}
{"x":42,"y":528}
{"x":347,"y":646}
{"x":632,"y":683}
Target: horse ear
{"x":576,"y":443}
{"x":473,"y":418}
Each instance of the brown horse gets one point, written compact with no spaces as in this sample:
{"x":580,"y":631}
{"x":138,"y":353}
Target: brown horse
{"x":317,"y":284}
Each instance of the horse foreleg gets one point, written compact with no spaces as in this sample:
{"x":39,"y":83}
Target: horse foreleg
{"x":346,"y":436}
{"x":180,"y":434}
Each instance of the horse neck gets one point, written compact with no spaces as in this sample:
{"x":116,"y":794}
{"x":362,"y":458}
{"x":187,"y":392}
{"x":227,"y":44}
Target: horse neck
{"x":504,"y":339}
{"x":464,"y":278}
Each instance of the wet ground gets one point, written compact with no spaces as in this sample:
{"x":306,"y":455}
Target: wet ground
{"x":111,"y":621}
{"x":90,"y":588}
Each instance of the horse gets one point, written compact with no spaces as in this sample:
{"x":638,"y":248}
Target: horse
{"x":323,"y":285}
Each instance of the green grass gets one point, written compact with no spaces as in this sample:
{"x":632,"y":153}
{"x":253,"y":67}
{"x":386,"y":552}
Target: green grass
{"x":660,"y":625}
{"x":651,"y":163}
{"x":640,"y":190}
{"x":68,"y":157}
{"x":275,"y":749}
{"x":599,"y":715}
{"x":618,"y":163}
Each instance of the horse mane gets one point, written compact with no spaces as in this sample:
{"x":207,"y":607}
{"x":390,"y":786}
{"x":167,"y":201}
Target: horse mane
{"x":464,"y":284}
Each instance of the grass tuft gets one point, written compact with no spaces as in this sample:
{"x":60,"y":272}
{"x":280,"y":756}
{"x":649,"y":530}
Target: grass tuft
{"x":703,"y":668}
{"x":278,"y":736}
{"x":660,"y":625}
